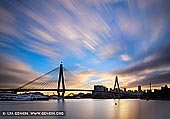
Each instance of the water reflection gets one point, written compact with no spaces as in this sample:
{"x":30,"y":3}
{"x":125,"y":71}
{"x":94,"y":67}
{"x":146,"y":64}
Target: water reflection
{"x":93,"y":109}
{"x":124,"y":110}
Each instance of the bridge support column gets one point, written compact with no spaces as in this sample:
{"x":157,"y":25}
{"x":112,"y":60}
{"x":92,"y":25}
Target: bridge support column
{"x":61,"y":80}
{"x":118,"y":89}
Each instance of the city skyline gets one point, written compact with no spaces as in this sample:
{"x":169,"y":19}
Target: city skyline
{"x":96,"y":40}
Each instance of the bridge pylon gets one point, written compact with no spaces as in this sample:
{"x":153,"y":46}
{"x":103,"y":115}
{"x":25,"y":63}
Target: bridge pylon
{"x":116,"y":82}
{"x":61,"y":80}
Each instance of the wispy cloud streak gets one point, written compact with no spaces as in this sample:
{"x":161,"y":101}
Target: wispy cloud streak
{"x":129,"y":38}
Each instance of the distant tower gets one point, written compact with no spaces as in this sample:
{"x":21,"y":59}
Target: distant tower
{"x":139,"y":88}
{"x":150,"y":87}
{"x":124,"y":89}
{"x":116,"y":82}
{"x":61,"y":80}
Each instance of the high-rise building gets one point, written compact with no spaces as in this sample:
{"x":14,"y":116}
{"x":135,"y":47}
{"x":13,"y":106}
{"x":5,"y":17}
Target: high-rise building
{"x":124,"y":89}
{"x":150,"y":87}
{"x":139,"y":88}
{"x":101,"y":91}
{"x":100,"y":88}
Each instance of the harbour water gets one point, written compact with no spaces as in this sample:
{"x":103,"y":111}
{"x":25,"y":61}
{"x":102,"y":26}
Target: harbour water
{"x":92,"y":109}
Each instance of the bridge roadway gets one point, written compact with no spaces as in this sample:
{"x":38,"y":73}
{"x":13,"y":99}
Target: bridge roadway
{"x":60,"y":90}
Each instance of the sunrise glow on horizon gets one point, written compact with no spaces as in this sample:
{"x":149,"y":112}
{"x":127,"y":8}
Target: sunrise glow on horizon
{"x":95,"y":40}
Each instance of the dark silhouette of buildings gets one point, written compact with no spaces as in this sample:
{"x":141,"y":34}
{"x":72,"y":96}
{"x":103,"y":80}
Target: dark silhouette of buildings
{"x":162,"y":94}
{"x":101,"y":91}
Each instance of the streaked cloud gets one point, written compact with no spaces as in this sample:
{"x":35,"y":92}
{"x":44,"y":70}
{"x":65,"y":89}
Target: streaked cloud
{"x":7,"y":22}
{"x":81,"y":34}
{"x":155,"y":65}
{"x":14,"y":73}
{"x":129,"y":38}
{"x":78,"y":80}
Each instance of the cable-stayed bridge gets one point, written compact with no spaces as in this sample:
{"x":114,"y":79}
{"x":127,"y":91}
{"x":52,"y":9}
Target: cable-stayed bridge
{"x":53,"y":80}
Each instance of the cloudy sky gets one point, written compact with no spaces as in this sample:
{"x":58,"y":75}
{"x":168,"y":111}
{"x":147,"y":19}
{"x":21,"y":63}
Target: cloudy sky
{"x":95,"y":39}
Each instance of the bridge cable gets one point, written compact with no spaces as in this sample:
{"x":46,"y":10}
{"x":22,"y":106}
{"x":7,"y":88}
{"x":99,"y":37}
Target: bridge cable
{"x":37,"y":78}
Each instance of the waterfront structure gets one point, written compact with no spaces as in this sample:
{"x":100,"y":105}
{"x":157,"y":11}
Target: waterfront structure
{"x":7,"y":96}
{"x":100,"y":88}
{"x":101,"y":91}
{"x":162,"y":94}
{"x":23,"y":97}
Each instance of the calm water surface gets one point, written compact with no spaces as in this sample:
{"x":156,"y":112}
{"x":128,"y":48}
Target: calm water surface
{"x":92,"y":109}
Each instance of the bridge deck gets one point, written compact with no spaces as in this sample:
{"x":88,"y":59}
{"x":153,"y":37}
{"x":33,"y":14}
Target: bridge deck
{"x":60,"y":90}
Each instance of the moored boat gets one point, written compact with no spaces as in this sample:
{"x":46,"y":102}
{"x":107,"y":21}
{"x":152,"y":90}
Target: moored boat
{"x":24,"y":97}
{"x":40,"y":97}
{"x":7,"y":96}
